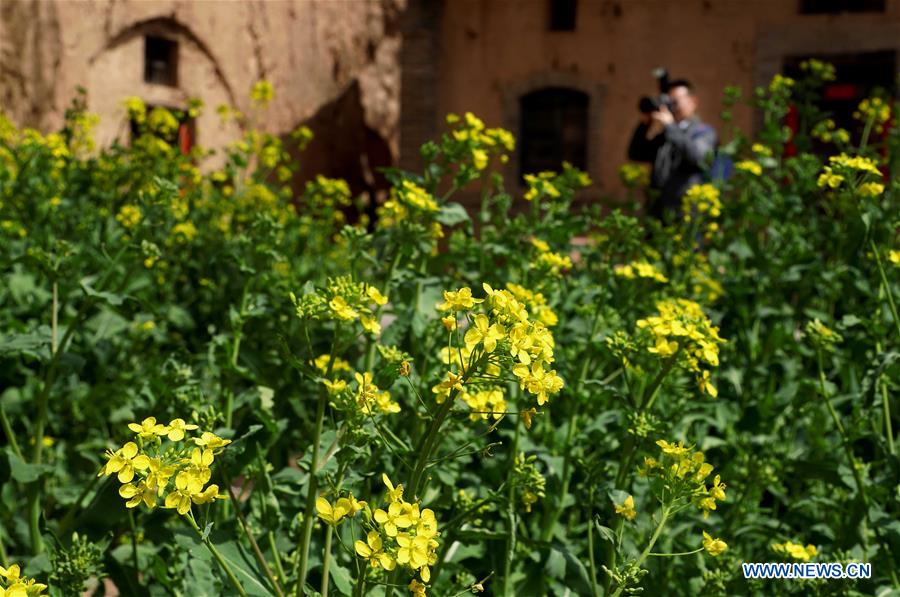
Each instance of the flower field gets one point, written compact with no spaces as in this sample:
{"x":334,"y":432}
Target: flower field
{"x":212,"y":384}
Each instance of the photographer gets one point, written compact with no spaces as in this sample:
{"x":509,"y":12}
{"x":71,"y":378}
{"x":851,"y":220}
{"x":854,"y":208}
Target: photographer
{"x":677,"y":143}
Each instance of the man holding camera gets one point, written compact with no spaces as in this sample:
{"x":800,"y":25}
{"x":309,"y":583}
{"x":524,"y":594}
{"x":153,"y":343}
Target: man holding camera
{"x":673,"y":138}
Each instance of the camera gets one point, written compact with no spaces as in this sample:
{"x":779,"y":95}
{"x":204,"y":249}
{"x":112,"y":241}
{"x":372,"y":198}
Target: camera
{"x":648,"y":104}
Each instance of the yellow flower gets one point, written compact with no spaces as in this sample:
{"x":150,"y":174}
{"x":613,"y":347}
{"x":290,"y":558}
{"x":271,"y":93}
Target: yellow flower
{"x":482,"y":332}
{"x":449,"y":322}
{"x":262,"y":92}
{"x":148,"y":428}
{"x":795,"y":550}
{"x":332,"y":514}
{"x":715,"y":547}
{"x":706,"y":385}
{"x":342,"y":309}
{"x":335,"y":387}
{"x":395,"y":494}
{"x":458,"y":300}
{"x":135,"y":494}
{"x":372,"y":550}
{"x":416,"y":588}
{"x":717,"y":491}
{"x":211,"y":441}
{"x":626,"y":508}
{"x":396,"y":517}
{"x":129,"y":215}
{"x":894,"y":257}
{"x":480,"y":158}
{"x":540,"y":245}
{"x":376,"y":296}
{"x":177,"y":428}
{"x":749,"y":166}
{"x":180,"y":499}
{"x":184,"y":231}
{"x":871,"y":189}
{"x":370,"y":325}
{"x":124,"y":462}
{"x":672,"y":449}
{"x":413,"y":550}
{"x":760,"y":149}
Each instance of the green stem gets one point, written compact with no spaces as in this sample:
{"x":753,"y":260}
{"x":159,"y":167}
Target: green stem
{"x":426,"y":444}
{"x":672,"y":555}
{"x":591,"y":562}
{"x":253,"y":544}
{"x":235,"y":352}
{"x":511,"y":513}
{"x":653,"y":539}
{"x":218,"y":556}
{"x":10,"y":436}
{"x":886,"y":286}
{"x":326,"y":561}
{"x":845,"y":440}
{"x":301,"y":565}
{"x":360,"y":589}
{"x":134,"y":549}
{"x":274,"y":549}
{"x":886,"y":407}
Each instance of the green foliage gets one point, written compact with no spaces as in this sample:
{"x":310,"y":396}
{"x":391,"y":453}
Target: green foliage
{"x":528,"y":397}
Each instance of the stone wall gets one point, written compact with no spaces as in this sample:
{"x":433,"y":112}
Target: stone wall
{"x":315,"y":52}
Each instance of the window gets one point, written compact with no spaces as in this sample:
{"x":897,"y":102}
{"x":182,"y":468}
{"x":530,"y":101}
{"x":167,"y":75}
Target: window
{"x":562,"y":15}
{"x":160,"y":61}
{"x":811,"y":7}
{"x":553,"y":129}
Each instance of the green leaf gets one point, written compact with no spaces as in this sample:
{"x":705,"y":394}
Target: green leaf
{"x":342,"y":579}
{"x":22,"y":471}
{"x":34,"y":344}
{"x":107,"y":297}
{"x":452,"y":214}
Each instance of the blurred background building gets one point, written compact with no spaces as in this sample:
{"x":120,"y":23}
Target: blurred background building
{"x":375,"y":78}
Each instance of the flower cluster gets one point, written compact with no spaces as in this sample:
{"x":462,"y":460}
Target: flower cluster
{"x":502,"y":336}
{"x":13,"y":584}
{"x":129,"y":216}
{"x":145,"y":468}
{"x":262,"y":92}
{"x":683,"y":472}
{"x":403,"y":533}
{"x":822,"y":336}
{"x":750,"y":166}
{"x":626,"y":508}
{"x":342,"y":300}
{"x":795,"y":550}
{"x":843,"y":167}
{"x":410,"y":205}
{"x":682,"y":330}
{"x":701,"y":199}
{"x":528,"y":481}
{"x":827,"y":131}
{"x":634,"y":175}
{"x":324,"y":198}
{"x":640,"y":269}
{"x":540,"y":185}
{"x":824,"y":71}
{"x":875,"y":110}
{"x":365,"y":398}
{"x":471,"y":141}
{"x":536,"y":303}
